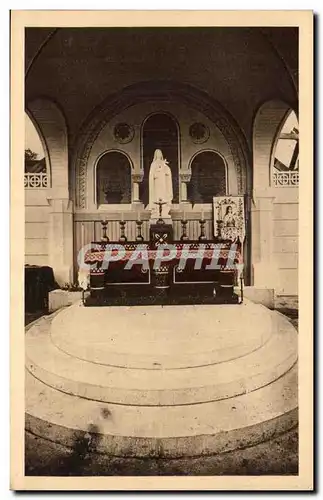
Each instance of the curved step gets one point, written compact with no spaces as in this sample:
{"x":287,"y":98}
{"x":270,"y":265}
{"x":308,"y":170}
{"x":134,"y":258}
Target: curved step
{"x":192,"y":430}
{"x":161,"y":337}
{"x":161,"y":387}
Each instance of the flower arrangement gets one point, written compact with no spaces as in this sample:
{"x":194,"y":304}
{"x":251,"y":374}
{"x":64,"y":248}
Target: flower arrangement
{"x":71,"y":287}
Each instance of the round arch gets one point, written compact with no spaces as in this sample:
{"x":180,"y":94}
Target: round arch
{"x":51,"y":125}
{"x":209,"y":176}
{"x":269,"y":119}
{"x":160,"y":130}
{"x":159,"y":91}
{"x":41,"y":139}
{"x":121,"y":162}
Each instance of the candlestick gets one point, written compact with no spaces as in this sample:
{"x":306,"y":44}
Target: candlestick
{"x":104,"y":224}
{"x":139,"y":236}
{"x":184,"y":236}
{"x":202,"y":235}
{"x":202,"y":214}
{"x":123,"y":237}
{"x":139,"y":216}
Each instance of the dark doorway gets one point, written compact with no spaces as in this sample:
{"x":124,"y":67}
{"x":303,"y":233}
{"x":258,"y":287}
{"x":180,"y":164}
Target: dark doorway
{"x":160,"y":132}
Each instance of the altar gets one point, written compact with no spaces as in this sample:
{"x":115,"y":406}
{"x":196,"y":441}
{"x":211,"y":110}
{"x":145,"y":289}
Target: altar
{"x":165,"y":270}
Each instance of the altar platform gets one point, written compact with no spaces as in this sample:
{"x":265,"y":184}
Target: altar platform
{"x":161,"y":381}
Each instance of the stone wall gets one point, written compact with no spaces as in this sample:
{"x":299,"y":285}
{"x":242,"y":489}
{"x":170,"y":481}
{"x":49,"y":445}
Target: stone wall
{"x":36,"y":227}
{"x":286,"y":240}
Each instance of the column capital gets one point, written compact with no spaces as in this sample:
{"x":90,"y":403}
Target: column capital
{"x":60,"y":205}
{"x":185,"y":176}
{"x":137,"y":176}
{"x":262,"y":203}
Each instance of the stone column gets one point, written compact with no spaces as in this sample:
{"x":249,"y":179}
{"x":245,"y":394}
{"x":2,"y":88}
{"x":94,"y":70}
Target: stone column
{"x":263,"y":261}
{"x":61,"y":239}
{"x":185,"y":177}
{"x":136,"y":179}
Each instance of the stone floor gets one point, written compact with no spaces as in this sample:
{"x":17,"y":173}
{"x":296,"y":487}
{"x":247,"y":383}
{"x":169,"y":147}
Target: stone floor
{"x":288,"y":305}
{"x":278,"y":456}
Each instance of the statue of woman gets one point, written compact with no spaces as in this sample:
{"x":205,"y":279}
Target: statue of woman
{"x":160,"y":185}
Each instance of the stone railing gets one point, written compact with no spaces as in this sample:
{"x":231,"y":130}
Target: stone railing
{"x":286,"y":179}
{"x":37,"y":180}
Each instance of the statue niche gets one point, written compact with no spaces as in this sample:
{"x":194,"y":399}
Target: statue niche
{"x":113,"y":179}
{"x":160,"y":186}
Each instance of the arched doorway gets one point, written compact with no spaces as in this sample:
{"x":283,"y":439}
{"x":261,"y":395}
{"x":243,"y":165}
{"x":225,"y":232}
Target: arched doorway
{"x":160,"y":131}
{"x":113,"y":179}
{"x":208,"y":177}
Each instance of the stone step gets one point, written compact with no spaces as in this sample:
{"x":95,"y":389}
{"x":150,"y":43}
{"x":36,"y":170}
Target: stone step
{"x":162,"y":431}
{"x":165,"y":337}
{"x":160,"y":387}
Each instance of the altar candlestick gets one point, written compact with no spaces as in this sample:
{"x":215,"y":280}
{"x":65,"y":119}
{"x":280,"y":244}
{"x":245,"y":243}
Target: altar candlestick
{"x":139,"y":236}
{"x":122,"y":231}
{"x":202,"y":225}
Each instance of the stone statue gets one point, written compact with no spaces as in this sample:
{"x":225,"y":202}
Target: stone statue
{"x":160,"y":186}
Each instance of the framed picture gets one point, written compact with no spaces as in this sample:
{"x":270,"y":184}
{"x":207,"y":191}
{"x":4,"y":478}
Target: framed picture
{"x":229,"y":217}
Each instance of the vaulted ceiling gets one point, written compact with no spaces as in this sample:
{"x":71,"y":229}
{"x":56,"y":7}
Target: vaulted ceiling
{"x":241,"y":68}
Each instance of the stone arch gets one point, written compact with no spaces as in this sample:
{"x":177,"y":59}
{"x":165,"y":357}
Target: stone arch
{"x":269,"y":119}
{"x":124,"y":161}
{"x":51,"y":124}
{"x":171,"y":150}
{"x":159,"y":91}
{"x":42,"y":141}
{"x":218,"y":178}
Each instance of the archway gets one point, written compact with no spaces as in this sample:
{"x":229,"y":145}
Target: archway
{"x":51,"y":125}
{"x":285,"y":154}
{"x":208,"y":177}
{"x":58,"y":212}
{"x":268,"y":121}
{"x":159,"y":91}
{"x":160,"y":131}
{"x":274,"y":211}
{"x":113,"y":179}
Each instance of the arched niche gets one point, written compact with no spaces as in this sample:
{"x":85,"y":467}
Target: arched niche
{"x":113,"y":179}
{"x":209,"y":177}
{"x":160,"y":131}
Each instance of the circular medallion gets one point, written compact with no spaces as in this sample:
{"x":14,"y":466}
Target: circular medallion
{"x":199,"y":132}
{"x":123,"y":133}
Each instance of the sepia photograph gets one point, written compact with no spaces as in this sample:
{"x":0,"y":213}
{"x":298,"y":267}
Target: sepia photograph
{"x":160,"y":184}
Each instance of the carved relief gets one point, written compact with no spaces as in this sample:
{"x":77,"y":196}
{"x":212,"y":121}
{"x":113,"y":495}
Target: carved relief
{"x":137,"y":177}
{"x":199,"y":132}
{"x":185,"y":176}
{"x":123,"y":133}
